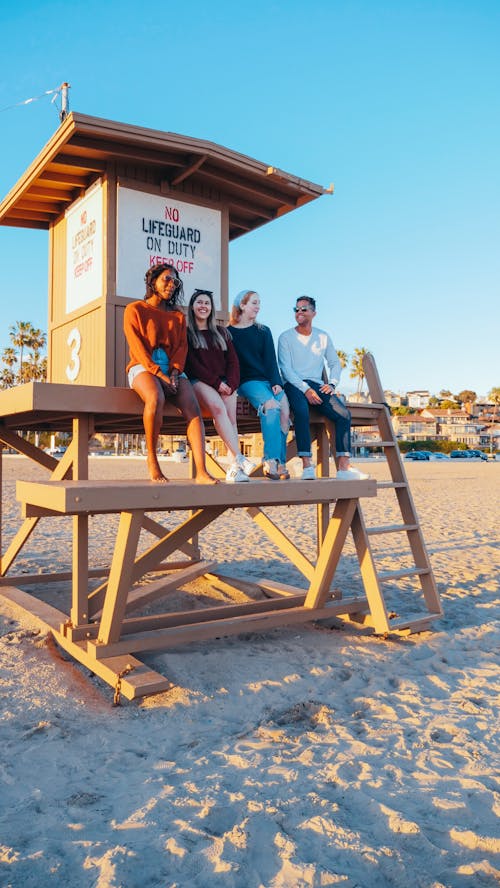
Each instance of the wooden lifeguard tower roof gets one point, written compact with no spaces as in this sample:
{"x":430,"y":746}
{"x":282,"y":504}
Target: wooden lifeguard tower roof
{"x":84,"y":148}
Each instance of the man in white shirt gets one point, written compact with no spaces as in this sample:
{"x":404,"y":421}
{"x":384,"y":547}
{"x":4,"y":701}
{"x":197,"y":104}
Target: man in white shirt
{"x":304,"y":352}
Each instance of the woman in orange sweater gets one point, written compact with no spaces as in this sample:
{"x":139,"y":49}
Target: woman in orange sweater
{"x":156,"y":335}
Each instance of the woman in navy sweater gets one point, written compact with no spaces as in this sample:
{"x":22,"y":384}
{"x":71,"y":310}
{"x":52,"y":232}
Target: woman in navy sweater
{"x":260,"y":380}
{"x":212,"y":366}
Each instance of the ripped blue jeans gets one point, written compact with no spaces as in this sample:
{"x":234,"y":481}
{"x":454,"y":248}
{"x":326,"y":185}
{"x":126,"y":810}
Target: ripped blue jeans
{"x":258,"y":391}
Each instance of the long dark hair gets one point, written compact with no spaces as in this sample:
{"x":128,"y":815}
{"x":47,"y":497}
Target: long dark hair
{"x":194,"y":337}
{"x":177,"y":297}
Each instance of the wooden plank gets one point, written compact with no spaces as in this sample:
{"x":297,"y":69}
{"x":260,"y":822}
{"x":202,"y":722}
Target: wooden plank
{"x":62,"y":576}
{"x":140,"y":681}
{"x":163,"y":639}
{"x":132,"y":625}
{"x":390,"y":528}
{"x":26,"y":605}
{"x":75,"y":497}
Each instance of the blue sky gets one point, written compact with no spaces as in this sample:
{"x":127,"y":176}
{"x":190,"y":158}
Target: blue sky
{"x":397,"y":103}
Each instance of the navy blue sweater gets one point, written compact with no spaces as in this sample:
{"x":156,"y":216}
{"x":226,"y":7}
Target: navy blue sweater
{"x":255,"y":349}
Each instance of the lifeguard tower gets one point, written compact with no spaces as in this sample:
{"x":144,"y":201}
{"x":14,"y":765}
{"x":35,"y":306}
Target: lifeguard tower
{"x":116,"y":198}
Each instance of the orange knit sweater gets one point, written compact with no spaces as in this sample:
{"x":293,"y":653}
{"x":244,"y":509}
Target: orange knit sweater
{"x":146,"y":328}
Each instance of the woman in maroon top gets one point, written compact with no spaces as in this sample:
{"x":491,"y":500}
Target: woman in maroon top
{"x":213,"y":368}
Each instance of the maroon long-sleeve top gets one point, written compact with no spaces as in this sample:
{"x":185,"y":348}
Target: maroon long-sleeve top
{"x":213,"y":365}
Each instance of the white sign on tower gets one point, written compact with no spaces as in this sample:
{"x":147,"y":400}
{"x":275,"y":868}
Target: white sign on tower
{"x":84,"y":230}
{"x":154,"y":228}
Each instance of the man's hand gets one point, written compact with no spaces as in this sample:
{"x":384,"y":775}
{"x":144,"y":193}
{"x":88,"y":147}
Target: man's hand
{"x":224,"y":389}
{"x":276,"y":389}
{"x":312,"y":396}
{"x":327,"y":389}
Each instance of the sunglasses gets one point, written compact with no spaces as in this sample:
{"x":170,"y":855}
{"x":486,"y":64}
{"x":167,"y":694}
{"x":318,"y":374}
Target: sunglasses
{"x":296,"y":310}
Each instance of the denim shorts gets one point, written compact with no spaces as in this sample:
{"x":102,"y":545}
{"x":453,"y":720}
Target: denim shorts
{"x":163,"y":365}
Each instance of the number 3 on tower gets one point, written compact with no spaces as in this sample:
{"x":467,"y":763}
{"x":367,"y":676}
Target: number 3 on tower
{"x":74,"y":341}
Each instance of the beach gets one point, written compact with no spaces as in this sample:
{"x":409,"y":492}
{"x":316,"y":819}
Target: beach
{"x":310,"y":756}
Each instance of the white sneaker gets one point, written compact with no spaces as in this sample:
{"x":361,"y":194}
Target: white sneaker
{"x":309,"y":473}
{"x":246,"y":465}
{"x":351,"y":475}
{"x":235,"y":475}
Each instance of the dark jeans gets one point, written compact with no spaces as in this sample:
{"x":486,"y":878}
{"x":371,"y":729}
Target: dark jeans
{"x":331,"y":406}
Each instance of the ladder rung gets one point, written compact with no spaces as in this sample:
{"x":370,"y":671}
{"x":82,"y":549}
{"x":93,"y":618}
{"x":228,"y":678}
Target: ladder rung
{"x":408,"y":572}
{"x":390,"y":528}
{"x":412,"y":622}
{"x":375,"y":444}
{"x":386,"y":484}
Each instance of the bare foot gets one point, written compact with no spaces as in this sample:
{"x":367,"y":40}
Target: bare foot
{"x":205,"y":478}
{"x":155,"y":473}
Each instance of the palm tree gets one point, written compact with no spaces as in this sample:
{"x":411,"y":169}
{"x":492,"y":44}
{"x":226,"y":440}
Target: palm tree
{"x":37,"y":367}
{"x":494,"y":395}
{"x":343,"y":358}
{"x":23,"y":360}
{"x":21,"y":336}
{"x":357,"y":369}
{"x":8,"y":371}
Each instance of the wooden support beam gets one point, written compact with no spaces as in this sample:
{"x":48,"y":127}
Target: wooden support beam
{"x":11,"y":439}
{"x":80,"y":567}
{"x":119,"y":576}
{"x":16,"y":544}
{"x":329,"y":555}
{"x":281,"y":540}
{"x":378,"y":610}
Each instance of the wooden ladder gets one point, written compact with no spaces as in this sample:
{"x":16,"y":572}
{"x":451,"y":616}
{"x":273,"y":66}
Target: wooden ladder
{"x":382,"y":620}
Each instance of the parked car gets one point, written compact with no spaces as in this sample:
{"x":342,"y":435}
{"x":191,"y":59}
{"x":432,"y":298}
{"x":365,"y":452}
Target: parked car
{"x":477,"y":454}
{"x":416,"y":454}
{"x":438,"y":455}
{"x":468,"y":454}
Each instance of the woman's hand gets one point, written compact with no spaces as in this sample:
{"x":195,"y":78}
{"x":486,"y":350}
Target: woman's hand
{"x":170,"y":383}
{"x":224,"y":389}
{"x":276,"y":389}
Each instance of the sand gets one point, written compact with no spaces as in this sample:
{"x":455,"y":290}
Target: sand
{"x":311,"y":756}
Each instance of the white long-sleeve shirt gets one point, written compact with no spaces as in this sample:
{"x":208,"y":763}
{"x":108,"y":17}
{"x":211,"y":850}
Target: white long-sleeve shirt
{"x":303,"y":357}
